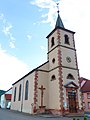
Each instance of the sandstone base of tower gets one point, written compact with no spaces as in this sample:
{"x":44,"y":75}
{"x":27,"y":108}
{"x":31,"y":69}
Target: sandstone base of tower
{"x":80,"y":112}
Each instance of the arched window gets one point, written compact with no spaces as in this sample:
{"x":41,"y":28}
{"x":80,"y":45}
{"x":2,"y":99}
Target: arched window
{"x":70,"y":76}
{"x":26,"y":90}
{"x":66,"y":39}
{"x":15,"y":94}
{"x":53,"y":78}
{"x":52,"y":42}
{"x":19,"y":97}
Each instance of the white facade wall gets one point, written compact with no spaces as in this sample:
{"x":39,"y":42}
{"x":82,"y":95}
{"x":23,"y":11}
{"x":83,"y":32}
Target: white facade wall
{"x":17,"y":104}
{"x":54,"y":91}
{"x":24,"y":105}
{"x":43,"y":80}
{"x":27,"y":107}
{"x":62,"y":38}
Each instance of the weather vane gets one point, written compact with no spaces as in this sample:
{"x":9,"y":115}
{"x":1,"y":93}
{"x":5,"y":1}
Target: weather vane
{"x":57,"y":7}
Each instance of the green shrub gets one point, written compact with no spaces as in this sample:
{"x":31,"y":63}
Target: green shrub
{"x":74,"y":119}
{"x":85,"y":118}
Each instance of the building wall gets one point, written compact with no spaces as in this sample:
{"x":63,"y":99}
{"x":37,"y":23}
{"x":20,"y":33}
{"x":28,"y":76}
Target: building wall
{"x":5,"y":102}
{"x":54,"y":91}
{"x":2,"y":101}
{"x":24,"y":105}
{"x":16,"y":105}
{"x":43,"y":80}
{"x":85,"y":101}
{"x":62,"y":39}
{"x":54,"y":102}
{"x":61,"y":68}
{"x":27,"y":104}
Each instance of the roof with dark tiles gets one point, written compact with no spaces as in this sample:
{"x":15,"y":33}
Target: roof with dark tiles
{"x":86,"y":85}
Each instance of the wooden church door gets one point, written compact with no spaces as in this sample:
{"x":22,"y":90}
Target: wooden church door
{"x":72,"y":102}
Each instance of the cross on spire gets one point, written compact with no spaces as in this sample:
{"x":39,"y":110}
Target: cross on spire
{"x":57,"y":8}
{"x":59,"y":22}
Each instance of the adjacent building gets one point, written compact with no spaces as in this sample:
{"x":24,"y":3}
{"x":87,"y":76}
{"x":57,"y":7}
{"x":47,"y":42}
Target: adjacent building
{"x":85,"y":89}
{"x":53,"y":86}
{"x":1,"y":93}
{"x":6,"y":99}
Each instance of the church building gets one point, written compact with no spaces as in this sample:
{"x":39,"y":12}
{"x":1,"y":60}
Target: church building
{"x":54,"y":86}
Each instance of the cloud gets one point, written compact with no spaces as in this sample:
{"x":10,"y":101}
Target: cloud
{"x":11,"y":44}
{"x":29,"y":37}
{"x":11,"y":69}
{"x":73,"y":8}
{"x":1,"y":16}
{"x":51,"y":6}
{"x":43,"y":48}
{"x":7,"y":30}
{"x":75,"y":16}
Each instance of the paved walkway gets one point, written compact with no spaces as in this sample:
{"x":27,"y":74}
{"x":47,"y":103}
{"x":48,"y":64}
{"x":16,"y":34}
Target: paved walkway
{"x":14,"y":115}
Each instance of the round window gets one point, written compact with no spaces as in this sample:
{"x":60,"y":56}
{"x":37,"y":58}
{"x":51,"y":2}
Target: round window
{"x":68,"y":59}
{"x":53,"y":60}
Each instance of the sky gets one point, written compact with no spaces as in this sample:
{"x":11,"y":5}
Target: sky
{"x":24,"y":25}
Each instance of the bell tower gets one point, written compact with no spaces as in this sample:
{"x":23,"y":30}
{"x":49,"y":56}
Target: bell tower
{"x":64,"y":87}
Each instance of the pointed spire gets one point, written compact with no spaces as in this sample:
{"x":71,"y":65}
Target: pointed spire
{"x":59,"y":22}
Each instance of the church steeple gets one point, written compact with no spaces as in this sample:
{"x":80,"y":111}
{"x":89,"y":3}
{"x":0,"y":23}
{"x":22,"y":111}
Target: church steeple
{"x":59,"y":22}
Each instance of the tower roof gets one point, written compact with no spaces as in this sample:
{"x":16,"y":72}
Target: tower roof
{"x":59,"y":22}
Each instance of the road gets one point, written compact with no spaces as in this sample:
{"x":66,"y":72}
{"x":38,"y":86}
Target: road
{"x":14,"y":115}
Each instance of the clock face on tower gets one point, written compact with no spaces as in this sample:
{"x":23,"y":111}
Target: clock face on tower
{"x":68,"y":59}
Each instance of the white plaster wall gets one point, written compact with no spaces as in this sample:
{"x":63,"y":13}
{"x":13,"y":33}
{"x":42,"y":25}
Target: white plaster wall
{"x":44,"y":67}
{"x":26,"y":104}
{"x":53,"y":54}
{"x":43,"y":80}
{"x":27,"y":107}
{"x":54,"y":91}
{"x":62,"y":38}
{"x":66,"y":71}
{"x":2,"y":101}
{"x":55,"y":41}
{"x":68,"y":53}
{"x":17,"y":104}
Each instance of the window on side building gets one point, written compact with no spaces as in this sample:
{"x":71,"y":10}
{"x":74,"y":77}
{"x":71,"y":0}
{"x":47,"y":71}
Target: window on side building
{"x":88,"y":95}
{"x":89,"y":105}
{"x":19,"y":97}
{"x":26,"y":90}
{"x":15,"y":94}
